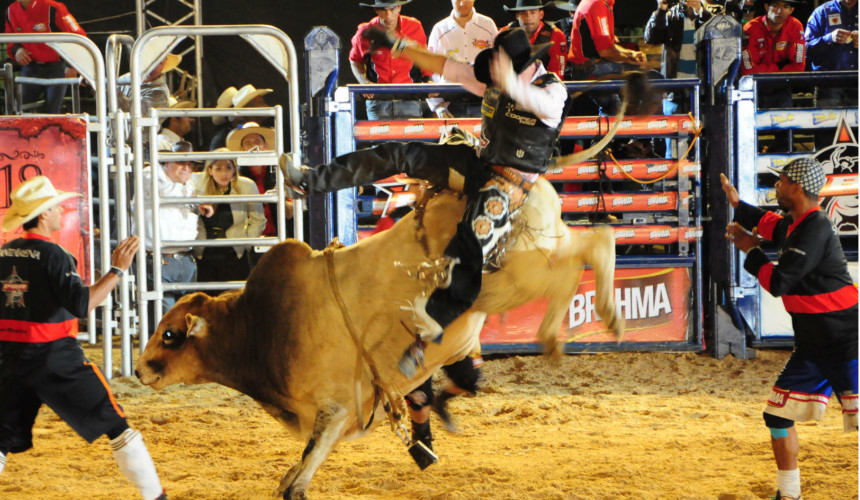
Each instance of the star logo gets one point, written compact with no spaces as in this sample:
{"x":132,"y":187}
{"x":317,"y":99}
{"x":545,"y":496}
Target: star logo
{"x":14,"y":288}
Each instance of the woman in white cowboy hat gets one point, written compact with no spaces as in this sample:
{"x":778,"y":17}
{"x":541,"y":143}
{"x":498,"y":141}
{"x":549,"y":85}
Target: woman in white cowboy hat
{"x":42,"y":362}
{"x":233,"y":220}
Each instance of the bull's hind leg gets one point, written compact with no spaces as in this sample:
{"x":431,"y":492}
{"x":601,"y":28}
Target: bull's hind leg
{"x":328,"y":426}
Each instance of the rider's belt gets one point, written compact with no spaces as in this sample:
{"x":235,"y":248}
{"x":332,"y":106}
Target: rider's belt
{"x":513,"y":175}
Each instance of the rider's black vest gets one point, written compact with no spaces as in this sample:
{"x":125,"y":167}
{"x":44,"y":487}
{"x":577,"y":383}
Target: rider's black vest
{"x":515,"y":137}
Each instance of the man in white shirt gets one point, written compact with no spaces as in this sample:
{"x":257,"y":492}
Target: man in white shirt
{"x":461,"y":35}
{"x":175,"y":128}
{"x":175,"y":222}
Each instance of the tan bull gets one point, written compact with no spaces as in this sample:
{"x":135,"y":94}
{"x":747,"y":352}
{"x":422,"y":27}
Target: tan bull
{"x":290,"y":339}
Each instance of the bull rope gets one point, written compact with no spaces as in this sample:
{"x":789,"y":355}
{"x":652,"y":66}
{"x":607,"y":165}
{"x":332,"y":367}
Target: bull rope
{"x":378,"y":387}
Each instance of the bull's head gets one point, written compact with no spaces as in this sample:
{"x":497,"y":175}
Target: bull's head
{"x":173,"y":354}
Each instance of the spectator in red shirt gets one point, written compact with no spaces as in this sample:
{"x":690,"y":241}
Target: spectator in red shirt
{"x":774,"y":43}
{"x":37,"y":60}
{"x":529,"y":14}
{"x":594,"y":50}
{"x":375,"y":65}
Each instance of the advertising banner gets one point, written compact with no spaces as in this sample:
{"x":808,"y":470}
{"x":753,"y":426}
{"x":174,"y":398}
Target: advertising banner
{"x":656,"y":303}
{"x":56,"y":147}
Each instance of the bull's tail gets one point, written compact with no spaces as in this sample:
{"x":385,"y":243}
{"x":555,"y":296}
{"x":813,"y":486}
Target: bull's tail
{"x":601,"y":256}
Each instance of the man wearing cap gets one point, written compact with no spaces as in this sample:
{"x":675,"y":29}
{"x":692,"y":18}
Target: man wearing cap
{"x":173,"y":129}
{"x":40,"y":359}
{"x":463,"y":35}
{"x":593,"y":49}
{"x":246,"y":97}
{"x":523,"y":110}
{"x":37,"y":60}
{"x":774,"y":42}
{"x":812,"y":278}
{"x":175,"y":222}
{"x":251,"y":137}
{"x":377,"y":65}
{"x":529,"y":14}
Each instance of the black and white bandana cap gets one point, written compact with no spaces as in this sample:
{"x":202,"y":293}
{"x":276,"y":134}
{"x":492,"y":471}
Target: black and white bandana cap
{"x":804,"y":171}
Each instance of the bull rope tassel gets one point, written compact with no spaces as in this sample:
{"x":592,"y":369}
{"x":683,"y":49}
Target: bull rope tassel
{"x":437,"y":272}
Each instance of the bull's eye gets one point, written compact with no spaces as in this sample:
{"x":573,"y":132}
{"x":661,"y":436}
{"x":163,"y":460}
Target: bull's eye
{"x":172,"y":339}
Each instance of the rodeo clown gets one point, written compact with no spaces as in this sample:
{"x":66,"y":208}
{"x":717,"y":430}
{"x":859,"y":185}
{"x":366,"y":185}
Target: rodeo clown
{"x":523,"y":109}
{"x":812,"y":278}
{"x":40,"y":359}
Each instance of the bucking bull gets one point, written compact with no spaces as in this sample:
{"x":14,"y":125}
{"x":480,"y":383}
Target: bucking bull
{"x":315,"y":336}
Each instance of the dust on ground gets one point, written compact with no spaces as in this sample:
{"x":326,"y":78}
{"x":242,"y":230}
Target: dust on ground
{"x":597,"y":426}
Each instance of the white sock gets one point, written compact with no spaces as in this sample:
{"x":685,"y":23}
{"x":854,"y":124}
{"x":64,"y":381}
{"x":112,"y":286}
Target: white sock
{"x":788,"y":482}
{"x":2,"y":462}
{"x":134,"y":461}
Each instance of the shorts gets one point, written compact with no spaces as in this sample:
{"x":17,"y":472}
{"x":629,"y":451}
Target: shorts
{"x":804,"y":387}
{"x":56,"y":374}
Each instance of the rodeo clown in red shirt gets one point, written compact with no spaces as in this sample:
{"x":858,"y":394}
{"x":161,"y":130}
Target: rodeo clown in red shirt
{"x":37,"y":59}
{"x":40,"y":359}
{"x":812,"y":278}
{"x":774,"y":42}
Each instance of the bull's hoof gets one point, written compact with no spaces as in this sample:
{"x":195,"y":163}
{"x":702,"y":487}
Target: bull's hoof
{"x":292,"y":493}
{"x":552,"y":350}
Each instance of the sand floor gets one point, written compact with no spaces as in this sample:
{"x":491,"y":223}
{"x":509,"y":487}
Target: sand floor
{"x":598,"y":426}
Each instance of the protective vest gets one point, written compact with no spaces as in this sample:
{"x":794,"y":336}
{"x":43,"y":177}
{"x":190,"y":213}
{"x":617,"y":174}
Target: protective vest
{"x":515,"y":137}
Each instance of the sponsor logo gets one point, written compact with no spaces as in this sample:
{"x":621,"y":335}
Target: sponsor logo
{"x":777,"y":119}
{"x":686,"y":124}
{"x":834,"y":19}
{"x":587,"y":202}
{"x":642,"y":302}
{"x":626,"y":124}
{"x":520,"y":153}
{"x":694,"y":233}
{"x":14,"y":288}
{"x":778,"y":162}
{"x":658,"y":200}
{"x":624,"y":200}
{"x":822,"y":117}
{"x":626,"y":167}
{"x":380,"y":129}
{"x":658,"y":167}
{"x":481,"y":44}
{"x":658,"y":234}
{"x":591,"y":169}
{"x":40,"y":28}
{"x":523,"y":120}
{"x":778,"y":397}
{"x":625,"y":233}
{"x":413,"y":129}
{"x":604,"y":25}
{"x":781,"y":45}
{"x":589,"y":125}
{"x":657,"y":124}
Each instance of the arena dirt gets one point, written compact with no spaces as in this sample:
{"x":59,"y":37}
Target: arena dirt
{"x":644,"y":426}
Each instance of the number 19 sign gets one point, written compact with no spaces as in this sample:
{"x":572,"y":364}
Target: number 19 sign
{"x":56,"y":147}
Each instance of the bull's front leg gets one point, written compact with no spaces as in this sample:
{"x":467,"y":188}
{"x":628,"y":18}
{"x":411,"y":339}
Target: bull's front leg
{"x":328,"y":426}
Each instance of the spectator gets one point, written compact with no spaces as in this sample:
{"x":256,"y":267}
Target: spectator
{"x":819,"y":294}
{"x":831,"y":36}
{"x":529,"y":14}
{"x":774,"y":42}
{"x":42,"y":362}
{"x":154,"y":92}
{"x":225,"y":101}
{"x":594,"y":50}
{"x":565,"y":24}
{"x":376,"y":65}
{"x":230,"y":220}
{"x":252,"y":137}
{"x":37,"y":60}
{"x":175,"y":222}
{"x":742,"y":10}
{"x":463,"y":35}
{"x":246,"y":97}
{"x":175,"y":128}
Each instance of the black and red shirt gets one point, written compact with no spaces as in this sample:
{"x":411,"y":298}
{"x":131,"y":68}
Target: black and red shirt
{"x":43,"y":295}
{"x":811,"y":276}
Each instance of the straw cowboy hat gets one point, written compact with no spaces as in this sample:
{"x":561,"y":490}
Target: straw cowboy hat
{"x":177,"y":104}
{"x":171,"y":62}
{"x":30,"y":199}
{"x":525,"y":5}
{"x":234,"y":138}
{"x":225,"y":101}
{"x":568,"y":5}
{"x":247,"y":94}
{"x":384,"y":4}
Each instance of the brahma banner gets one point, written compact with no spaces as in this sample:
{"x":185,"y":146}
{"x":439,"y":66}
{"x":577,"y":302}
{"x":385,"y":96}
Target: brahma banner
{"x":58,"y":148}
{"x":656,"y":303}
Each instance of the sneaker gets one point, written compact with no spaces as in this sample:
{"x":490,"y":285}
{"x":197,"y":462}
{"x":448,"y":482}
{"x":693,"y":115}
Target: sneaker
{"x":412,"y":358}
{"x":780,"y":496}
{"x":295,"y":177}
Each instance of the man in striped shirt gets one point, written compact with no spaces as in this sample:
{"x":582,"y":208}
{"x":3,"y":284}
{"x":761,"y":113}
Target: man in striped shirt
{"x":812,"y":278}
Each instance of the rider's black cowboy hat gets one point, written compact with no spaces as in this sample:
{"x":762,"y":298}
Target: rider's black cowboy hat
{"x":525,"y":5}
{"x":516,"y":43}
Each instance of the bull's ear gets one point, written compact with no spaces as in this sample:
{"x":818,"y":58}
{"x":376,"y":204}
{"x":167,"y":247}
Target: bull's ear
{"x":196,"y":326}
